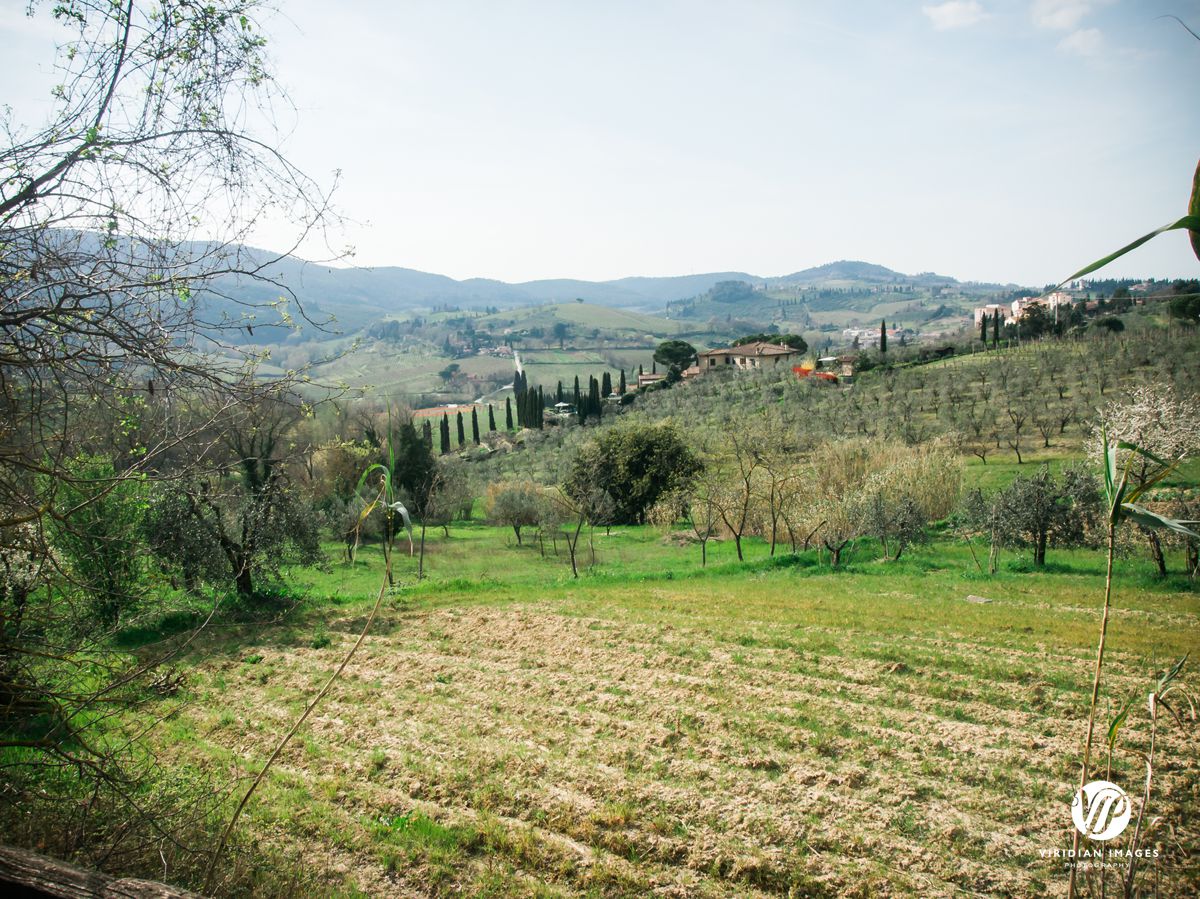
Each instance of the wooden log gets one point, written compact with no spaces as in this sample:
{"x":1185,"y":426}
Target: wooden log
{"x":27,"y":874}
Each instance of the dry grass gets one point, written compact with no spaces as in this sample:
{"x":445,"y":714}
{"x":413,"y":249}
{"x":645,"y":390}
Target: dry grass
{"x":681,"y":746}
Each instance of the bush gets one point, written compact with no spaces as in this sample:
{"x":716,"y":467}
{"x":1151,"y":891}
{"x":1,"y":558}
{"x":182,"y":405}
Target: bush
{"x":634,"y":465}
{"x":98,"y":529}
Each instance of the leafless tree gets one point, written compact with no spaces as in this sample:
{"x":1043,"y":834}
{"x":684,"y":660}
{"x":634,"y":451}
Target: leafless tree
{"x":121,"y":266}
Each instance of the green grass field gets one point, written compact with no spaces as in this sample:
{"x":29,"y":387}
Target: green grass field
{"x":766,"y":728}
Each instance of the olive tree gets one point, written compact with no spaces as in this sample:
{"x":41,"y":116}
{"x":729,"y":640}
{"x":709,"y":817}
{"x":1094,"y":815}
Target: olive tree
{"x":1038,"y":510}
{"x":516,"y":504}
{"x":246,"y":504}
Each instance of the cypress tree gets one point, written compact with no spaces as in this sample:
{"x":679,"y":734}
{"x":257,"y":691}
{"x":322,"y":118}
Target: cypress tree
{"x":462,"y":437}
{"x":593,"y":398}
{"x":621,"y":386}
{"x":508,"y":422}
{"x":491,"y":418}
{"x":641,"y":371}
{"x":427,"y":434}
{"x":475,"y":425}
{"x":445,"y":433}
{"x":606,"y":385}
{"x":653,"y":367}
{"x":996,"y":329}
{"x":883,"y":335}
{"x":983,"y":322}
{"x":559,"y":393}
{"x":533,"y":413}
{"x":577,"y":400}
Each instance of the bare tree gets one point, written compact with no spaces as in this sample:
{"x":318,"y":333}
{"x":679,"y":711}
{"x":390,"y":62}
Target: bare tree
{"x":736,"y":492}
{"x":702,"y":513}
{"x":121,"y":221}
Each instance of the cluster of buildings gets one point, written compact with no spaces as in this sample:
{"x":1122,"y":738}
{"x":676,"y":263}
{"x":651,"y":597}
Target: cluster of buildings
{"x":869,"y":337}
{"x":1011,"y":313}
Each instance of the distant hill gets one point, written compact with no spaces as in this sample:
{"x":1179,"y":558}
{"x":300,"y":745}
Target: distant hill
{"x":353,"y":298}
{"x":859,"y":272}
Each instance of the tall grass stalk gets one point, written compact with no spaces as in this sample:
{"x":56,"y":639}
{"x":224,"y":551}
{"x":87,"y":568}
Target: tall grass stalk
{"x":1121,"y":497}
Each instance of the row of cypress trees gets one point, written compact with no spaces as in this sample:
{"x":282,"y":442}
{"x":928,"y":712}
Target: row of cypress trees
{"x":460,"y":426}
{"x":528,"y":406}
{"x":994,"y":319}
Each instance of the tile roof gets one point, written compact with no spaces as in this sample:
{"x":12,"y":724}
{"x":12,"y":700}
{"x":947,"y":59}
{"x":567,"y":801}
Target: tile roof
{"x":758,"y":348}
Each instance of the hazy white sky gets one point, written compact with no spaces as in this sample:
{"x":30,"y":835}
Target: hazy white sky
{"x":1002,"y":140}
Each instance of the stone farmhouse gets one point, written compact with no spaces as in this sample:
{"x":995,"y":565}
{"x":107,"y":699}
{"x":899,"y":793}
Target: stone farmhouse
{"x":757,"y":355}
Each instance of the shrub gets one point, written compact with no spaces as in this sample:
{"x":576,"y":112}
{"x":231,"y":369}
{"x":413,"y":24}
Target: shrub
{"x":634,"y":465}
{"x":98,"y":530}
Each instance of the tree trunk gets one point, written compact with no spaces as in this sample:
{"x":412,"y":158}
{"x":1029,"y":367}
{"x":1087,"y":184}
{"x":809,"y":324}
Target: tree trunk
{"x":572,"y":543}
{"x":835,"y":553}
{"x":517,"y":531}
{"x":421,"y":557}
{"x":1039,"y":552}
{"x":703,"y":553}
{"x":737,"y":541}
{"x":244,"y":581}
{"x":812,"y":534}
{"x":30,"y":874}
{"x":1156,"y":553}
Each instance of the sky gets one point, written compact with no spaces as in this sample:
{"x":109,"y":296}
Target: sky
{"x":988,"y":140}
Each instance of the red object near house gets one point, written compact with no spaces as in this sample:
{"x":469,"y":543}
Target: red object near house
{"x":802,"y":371}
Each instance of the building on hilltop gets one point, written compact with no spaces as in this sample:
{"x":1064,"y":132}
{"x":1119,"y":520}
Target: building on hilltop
{"x":989,"y":312}
{"x":1051,"y":302}
{"x":869,"y":337}
{"x":756,"y":355}
{"x":1011,"y":313}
